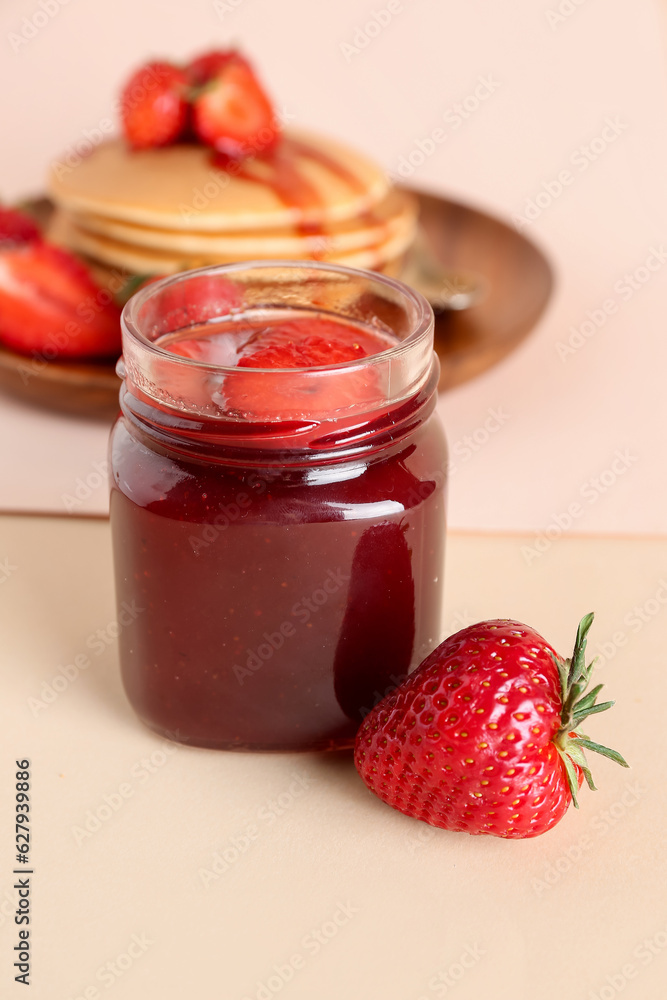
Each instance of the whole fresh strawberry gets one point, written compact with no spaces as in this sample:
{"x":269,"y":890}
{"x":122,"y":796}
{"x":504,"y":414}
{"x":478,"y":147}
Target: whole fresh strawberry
{"x":485,"y":737}
{"x":153,"y":105}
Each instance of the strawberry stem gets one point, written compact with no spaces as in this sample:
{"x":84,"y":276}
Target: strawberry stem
{"x":574,"y":676}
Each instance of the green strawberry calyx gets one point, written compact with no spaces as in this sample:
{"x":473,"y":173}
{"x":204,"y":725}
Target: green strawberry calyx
{"x":577,"y":706}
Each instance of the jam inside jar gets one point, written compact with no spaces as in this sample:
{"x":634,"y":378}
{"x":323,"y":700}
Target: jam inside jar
{"x":278,"y":525}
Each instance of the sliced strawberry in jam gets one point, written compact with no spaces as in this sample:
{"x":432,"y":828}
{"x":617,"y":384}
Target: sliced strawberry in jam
{"x":289,"y":348}
{"x":271,"y":381}
{"x":304,"y":344}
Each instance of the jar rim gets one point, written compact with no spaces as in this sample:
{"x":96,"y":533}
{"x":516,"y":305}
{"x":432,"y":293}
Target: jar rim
{"x":424,"y":319}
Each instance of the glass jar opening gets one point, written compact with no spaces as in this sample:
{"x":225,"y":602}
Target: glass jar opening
{"x":182,"y":337}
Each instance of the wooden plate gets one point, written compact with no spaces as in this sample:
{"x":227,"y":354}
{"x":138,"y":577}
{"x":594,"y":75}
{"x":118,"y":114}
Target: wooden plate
{"x":518,"y":280}
{"x":516,"y":275}
{"x":87,"y":390}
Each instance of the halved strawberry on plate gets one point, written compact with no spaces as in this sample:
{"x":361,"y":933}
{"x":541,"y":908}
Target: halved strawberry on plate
{"x":287,"y":392}
{"x":49,"y":303}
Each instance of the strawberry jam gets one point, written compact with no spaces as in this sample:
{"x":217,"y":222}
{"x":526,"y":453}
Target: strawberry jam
{"x":277,"y":502}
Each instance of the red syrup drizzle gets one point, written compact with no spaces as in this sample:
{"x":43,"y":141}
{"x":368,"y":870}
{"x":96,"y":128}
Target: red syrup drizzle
{"x":349,"y":177}
{"x":295,"y":191}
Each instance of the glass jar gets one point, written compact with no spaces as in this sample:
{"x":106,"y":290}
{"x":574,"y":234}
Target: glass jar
{"x":278,"y":532}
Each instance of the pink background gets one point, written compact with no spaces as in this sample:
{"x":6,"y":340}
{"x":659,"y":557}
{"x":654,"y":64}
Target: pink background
{"x":557,"y":80}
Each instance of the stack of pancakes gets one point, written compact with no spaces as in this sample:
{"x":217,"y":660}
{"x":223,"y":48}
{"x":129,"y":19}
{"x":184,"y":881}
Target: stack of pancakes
{"x":159,"y":211}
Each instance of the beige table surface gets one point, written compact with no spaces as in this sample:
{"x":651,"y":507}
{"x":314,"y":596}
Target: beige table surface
{"x":206,"y":872}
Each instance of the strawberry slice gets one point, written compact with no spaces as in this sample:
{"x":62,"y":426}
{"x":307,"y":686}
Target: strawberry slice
{"x":16,"y":228}
{"x":254,"y":346}
{"x":298,"y":344}
{"x":233,"y":113}
{"x":153,"y":105}
{"x":185,"y":305}
{"x":204,"y":67}
{"x":50,"y":304}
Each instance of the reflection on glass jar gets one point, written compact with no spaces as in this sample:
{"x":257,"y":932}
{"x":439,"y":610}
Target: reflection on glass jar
{"x":282,"y":530}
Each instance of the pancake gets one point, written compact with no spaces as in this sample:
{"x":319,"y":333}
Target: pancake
{"x":147,"y":260}
{"x":160,"y":211}
{"x":396,"y":213}
{"x":310,"y":181}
